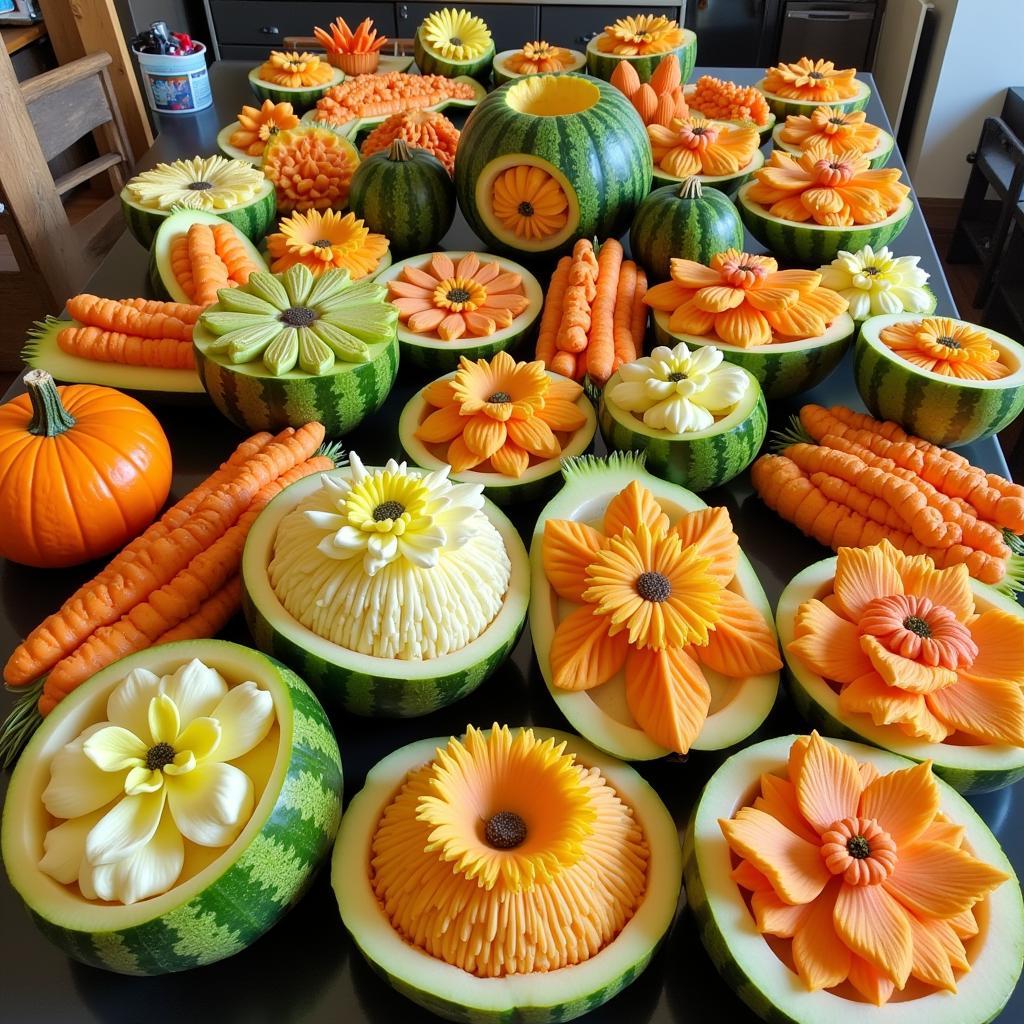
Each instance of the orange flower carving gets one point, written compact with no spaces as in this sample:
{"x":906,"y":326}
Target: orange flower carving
{"x":538,"y":57}
{"x":256,"y":125}
{"x":321,"y":241}
{"x":835,"y":130}
{"x":691,"y":145}
{"x":946,"y":347}
{"x":294,"y":70}
{"x":811,"y":80}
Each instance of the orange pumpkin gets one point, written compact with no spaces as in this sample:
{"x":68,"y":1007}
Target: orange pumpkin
{"x":83,"y":470}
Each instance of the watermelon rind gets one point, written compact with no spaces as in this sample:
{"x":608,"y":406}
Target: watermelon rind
{"x":224,"y":145}
{"x":599,"y":153}
{"x":766,"y":984}
{"x":812,"y":245}
{"x":503,"y":74}
{"x":782,"y":107}
{"x":668,"y":227}
{"x":432,"y":63}
{"x":601,"y":714}
{"x":944,"y":410}
{"x":701,"y":459}
{"x":253,"y":218}
{"x":457,"y":995}
{"x":300,"y":97}
{"x":147,"y":383}
{"x":727,"y":183}
{"x":784,"y":368}
{"x":968,"y":768}
{"x":161,"y":275}
{"x":540,"y":480}
{"x":246,"y":888}
{"x":877,"y":157}
{"x":360,"y":683}
{"x":438,"y":356}
{"x":252,"y":397}
{"x":602,"y":65}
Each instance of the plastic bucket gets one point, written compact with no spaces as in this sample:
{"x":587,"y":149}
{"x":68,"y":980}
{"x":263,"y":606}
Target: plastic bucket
{"x":175,"y":85}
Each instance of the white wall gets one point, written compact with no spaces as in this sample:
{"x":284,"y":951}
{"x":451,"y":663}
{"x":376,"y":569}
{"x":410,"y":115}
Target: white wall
{"x":978,"y":52}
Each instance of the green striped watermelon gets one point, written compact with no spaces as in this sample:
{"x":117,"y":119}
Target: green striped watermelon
{"x":246,"y":888}
{"x":726,"y":183}
{"x":943,"y":410}
{"x":811,"y":245}
{"x":161,"y":273}
{"x":601,"y":715}
{"x":699,"y":460}
{"x":601,"y":64}
{"x":457,"y":995}
{"x":969,"y":768}
{"x":300,"y":97}
{"x":360,"y":683}
{"x":406,"y":195}
{"x":581,"y":131}
{"x":252,"y":348}
{"x":503,"y":74}
{"x":782,"y":369}
{"x":878,"y":157}
{"x":685,"y":222}
{"x":537,"y":483}
{"x":254,"y":218}
{"x":782,"y":107}
{"x":430,"y":62}
{"x":437,"y":356}
{"x":761,"y":978}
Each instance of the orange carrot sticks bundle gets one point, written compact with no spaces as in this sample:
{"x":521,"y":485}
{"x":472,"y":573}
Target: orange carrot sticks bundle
{"x":187,"y":314}
{"x":181,"y":266}
{"x":622,"y":325}
{"x":601,"y":338}
{"x":550,"y":319}
{"x":209,"y":272}
{"x":111,"y":315}
{"x":211,"y":617}
{"x":844,"y":493}
{"x":233,"y":254}
{"x":638,"y":323}
{"x":126,"y":349}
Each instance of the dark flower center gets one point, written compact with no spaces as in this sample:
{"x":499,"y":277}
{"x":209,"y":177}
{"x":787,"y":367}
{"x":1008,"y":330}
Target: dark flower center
{"x":918,"y":626}
{"x":858,"y":847}
{"x":505,"y":830}
{"x":525,"y":209}
{"x":388,"y":510}
{"x":458,"y":295}
{"x":455,"y":41}
{"x":676,"y":377}
{"x":836,"y":120}
{"x":698,"y":129}
{"x":948,"y":342}
{"x":200,"y":186}
{"x":298,"y":316}
{"x":653,"y":586}
{"x":323,"y":243}
{"x":499,"y":398}
{"x":815,"y":74}
{"x":159,"y":755}
{"x":871,"y":271}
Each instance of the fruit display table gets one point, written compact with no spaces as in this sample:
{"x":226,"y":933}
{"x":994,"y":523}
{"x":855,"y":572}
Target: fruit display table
{"x":306,"y":970}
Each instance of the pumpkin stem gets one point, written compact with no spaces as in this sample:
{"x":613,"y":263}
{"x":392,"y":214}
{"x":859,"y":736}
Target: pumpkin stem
{"x":49,"y":417}
{"x":691,"y":189}
{"x":399,"y":151}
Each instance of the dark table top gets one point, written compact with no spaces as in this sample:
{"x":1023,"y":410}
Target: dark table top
{"x":306,"y":971}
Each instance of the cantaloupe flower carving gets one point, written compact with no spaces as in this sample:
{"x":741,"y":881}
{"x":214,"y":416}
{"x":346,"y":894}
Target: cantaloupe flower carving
{"x":653,"y":597}
{"x":538,"y":57}
{"x":811,"y":80}
{"x":693,"y":145}
{"x":878,"y":282}
{"x":202,"y":183}
{"x":946,"y":347}
{"x":835,"y":129}
{"x":154,"y":776}
{"x":294,"y":70}
{"x":861,"y":871}
{"x":256,"y":125}
{"x":640,"y":34}
{"x":834,"y":189}
{"x":905,"y":644}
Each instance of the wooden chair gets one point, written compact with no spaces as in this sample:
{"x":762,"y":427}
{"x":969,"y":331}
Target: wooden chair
{"x":46,"y":259}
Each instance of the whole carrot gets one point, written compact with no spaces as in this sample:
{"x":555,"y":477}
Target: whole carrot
{"x":551,"y":317}
{"x":638,"y":324}
{"x":111,"y":315}
{"x":181,"y":266}
{"x":233,"y":253}
{"x":187,"y":314}
{"x":211,"y":617}
{"x":126,"y":349}
{"x":622,"y":324}
{"x":601,"y":339}
{"x":844,"y":493}
{"x":564,"y":363}
{"x":208,"y":270}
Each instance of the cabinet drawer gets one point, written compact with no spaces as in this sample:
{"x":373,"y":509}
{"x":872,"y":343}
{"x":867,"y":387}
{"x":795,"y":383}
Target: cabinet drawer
{"x":576,"y":26}
{"x":510,"y":24}
{"x":241,"y":22}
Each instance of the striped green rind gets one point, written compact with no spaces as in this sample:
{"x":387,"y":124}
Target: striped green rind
{"x":602,"y":156}
{"x":503,"y":74}
{"x":411,"y":202}
{"x":253,"y":398}
{"x":765,"y":983}
{"x":252,"y":884}
{"x":782,"y":107}
{"x":727,"y":183}
{"x":707,"y":459}
{"x":456,"y":995}
{"x":435,"y":357}
{"x":301,"y":98}
{"x":254,"y":218}
{"x":602,"y":65}
{"x":539,"y":481}
{"x":361,"y":684}
{"x":670,"y":225}
{"x":782,"y":369}
{"x":942,"y":410}
{"x":977,"y":768}
{"x":431,"y":63}
{"x":878,"y":157}
{"x":811,"y":245}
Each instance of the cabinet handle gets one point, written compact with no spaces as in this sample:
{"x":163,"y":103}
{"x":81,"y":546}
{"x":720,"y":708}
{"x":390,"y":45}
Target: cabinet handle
{"x":270,"y":30}
{"x":588,"y":37}
{"x":403,"y":12}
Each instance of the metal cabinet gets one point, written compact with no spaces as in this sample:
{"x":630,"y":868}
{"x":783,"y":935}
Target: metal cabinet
{"x":265,"y":24}
{"x":511,"y":24}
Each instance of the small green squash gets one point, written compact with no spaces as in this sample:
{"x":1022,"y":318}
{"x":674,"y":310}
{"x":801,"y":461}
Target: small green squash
{"x":686,"y":222}
{"x":406,"y":195}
